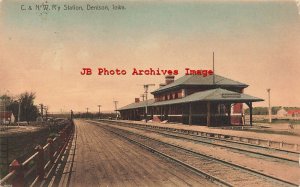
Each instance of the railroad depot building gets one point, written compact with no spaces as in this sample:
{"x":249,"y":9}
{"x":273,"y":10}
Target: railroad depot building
{"x":192,"y":99}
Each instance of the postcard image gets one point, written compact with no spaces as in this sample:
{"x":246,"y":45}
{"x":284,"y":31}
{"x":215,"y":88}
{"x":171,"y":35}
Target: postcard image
{"x":149,"y":93}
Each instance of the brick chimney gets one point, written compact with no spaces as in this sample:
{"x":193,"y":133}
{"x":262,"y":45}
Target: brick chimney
{"x":136,"y":100}
{"x":162,"y":85}
{"x":169,"y":79}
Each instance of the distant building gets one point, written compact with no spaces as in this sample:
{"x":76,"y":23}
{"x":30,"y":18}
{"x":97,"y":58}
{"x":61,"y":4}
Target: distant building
{"x":282,"y":112}
{"x":194,"y":99}
{"x":2,"y":105}
{"x":293,"y":113}
{"x":7,"y":117}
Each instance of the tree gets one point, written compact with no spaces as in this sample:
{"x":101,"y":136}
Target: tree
{"x":14,"y":108}
{"x":6,"y":99}
{"x":258,"y":111}
{"x":29,"y":112}
{"x":275,"y":109}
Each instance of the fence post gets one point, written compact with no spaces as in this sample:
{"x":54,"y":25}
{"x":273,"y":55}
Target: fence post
{"x":40,"y":162}
{"x":280,"y":145}
{"x":18,"y":181}
{"x":51,"y":150}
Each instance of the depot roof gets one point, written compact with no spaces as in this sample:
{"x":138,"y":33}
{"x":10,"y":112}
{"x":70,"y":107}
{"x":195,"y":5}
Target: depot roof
{"x":198,"y":80}
{"x":137,"y":105}
{"x":214,"y":95}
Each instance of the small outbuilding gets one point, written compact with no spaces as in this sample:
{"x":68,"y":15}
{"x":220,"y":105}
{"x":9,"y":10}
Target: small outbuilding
{"x":7,"y":117}
{"x":282,"y":112}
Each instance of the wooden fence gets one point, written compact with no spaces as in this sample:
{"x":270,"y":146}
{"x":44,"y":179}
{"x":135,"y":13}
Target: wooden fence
{"x":41,"y":164}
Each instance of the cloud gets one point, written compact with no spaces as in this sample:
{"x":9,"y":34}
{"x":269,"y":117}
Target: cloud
{"x":298,"y":5}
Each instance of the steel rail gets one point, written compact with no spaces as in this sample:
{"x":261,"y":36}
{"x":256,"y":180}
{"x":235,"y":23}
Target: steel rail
{"x":211,"y":143}
{"x":174,"y":130}
{"x":212,"y":158}
{"x":210,"y":177}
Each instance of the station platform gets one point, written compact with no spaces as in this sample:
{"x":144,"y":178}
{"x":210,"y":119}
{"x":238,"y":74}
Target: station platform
{"x":257,"y":134}
{"x":101,"y":158}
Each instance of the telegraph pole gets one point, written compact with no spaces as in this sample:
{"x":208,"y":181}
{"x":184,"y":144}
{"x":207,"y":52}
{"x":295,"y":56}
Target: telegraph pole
{"x":87,"y":112}
{"x":4,"y":99}
{"x":72,"y":114}
{"x":116,"y":107}
{"x":146,"y":87}
{"x":4,"y":103}
{"x":143,"y":96}
{"x":42,"y":110}
{"x":19,"y":111}
{"x":99,"y":110}
{"x":214,"y":81}
{"x":46,"y":109}
{"x":270,"y":110}
{"x":1,"y":111}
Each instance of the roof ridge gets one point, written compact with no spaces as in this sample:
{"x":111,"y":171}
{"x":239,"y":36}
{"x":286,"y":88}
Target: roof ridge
{"x":222,"y":78}
{"x":211,"y":92}
{"x":229,"y":79}
{"x":200,"y":81}
{"x":189,"y":77}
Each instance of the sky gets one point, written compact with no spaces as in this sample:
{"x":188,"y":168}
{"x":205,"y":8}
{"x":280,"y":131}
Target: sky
{"x":255,"y":42}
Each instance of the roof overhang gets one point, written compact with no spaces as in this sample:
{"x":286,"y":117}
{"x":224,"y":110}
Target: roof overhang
{"x":215,"y":95}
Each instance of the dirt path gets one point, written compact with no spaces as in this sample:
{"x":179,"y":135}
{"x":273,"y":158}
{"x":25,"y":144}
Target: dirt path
{"x":103,"y":159}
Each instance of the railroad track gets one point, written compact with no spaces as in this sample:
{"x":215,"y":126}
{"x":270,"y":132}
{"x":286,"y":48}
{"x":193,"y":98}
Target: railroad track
{"x":226,"y":174}
{"x":277,"y":155}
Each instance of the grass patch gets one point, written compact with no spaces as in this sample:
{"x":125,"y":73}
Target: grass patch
{"x":277,"y":121}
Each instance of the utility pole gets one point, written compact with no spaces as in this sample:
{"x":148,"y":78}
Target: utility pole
{"x":99,"y":110}
{"x":270,"y":110}
{"x":4,"y":110}
{"x":214,"y":81}
{"x":46,"y":110}
{"x":4,"y":103}
{"x":42,"y":110}
{"x":72,"y":114}
{"x":116,"y":107}
{"x":1,"y":111}
{"x":146,"y":87}
{"x":19,"y":111}
{"x":143,"y":96}
{"x":87,"y":112}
